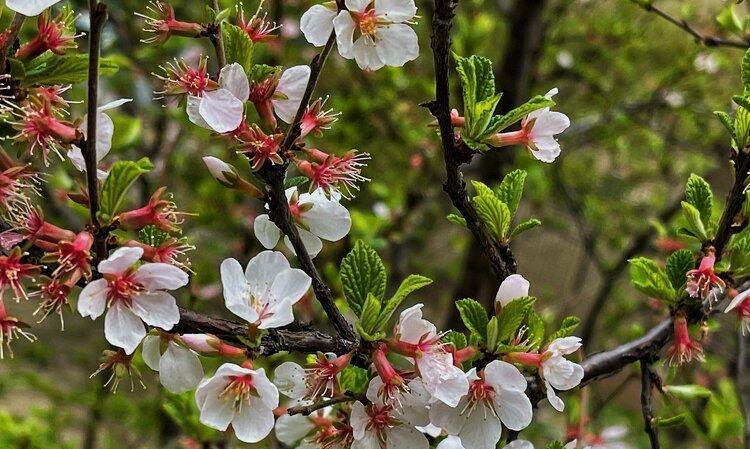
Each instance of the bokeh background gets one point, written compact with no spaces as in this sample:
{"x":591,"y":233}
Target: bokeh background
{"x":640,"y":94}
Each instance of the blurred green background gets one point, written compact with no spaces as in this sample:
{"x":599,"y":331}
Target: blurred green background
{"x":640,"y":94}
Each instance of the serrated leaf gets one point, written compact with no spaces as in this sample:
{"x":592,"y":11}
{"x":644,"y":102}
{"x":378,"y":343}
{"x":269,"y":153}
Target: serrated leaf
{"x":698,"y":193}
{"x":494,"y":214}
{"x":481,"y":188}
{"x":121,"y":177}
{"x":296,"y":181}
{"x":493,"y":334}
{"x":259,"y":72}
{"x":568,"y":325}
{"x":535,"y":334}
{"x":362,"y":273}
{"x":369,"y":319}
{"x":729,"y":125}
{"x":538,"y":102}
{"x":746,"y":71}
{"x":483,"y":113}
{"x":510,"y":189}
{"x":512,"y":315}
{"x":478,"y":90}
{"x":354,"y":379}
{"x":409,"y":285}
{"x":694,"y":221}
{"x":677,"y":266}
{"x":456,"y":219}
{"x":649,"y":278}
{"x":65,"y":69}
{"x":457,"y":339}
{"x":474,"y":317}
{"x":238,"y":46}
{"x":531,"y":223}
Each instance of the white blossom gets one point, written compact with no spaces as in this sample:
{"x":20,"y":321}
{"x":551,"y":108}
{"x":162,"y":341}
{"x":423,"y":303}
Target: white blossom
{"x":179,"y":368}
{"x":513,"y":287}
{"x":317,"y":23}
{"x":541,"y":127}
{"x":289,"y":92}
{"x":558,"y":372}
{"x":29,"y":8}
{"x":222,"y":109}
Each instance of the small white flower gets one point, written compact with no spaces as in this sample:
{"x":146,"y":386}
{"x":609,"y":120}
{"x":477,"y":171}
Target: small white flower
{"x":443,"y":380}
{"x":239,"y":396}
{"x":377,"y":32}
{"x":105,"y":130}
{"x":265,"y":292}
{"x":317,"y":23}
{"x":179,"y":368}
{"x":706,"y":62}
{"x":130,"y":295}
{"x":317,"y":217}
{"x":495,"y":398}
{"x":558,"y":372}
{"x":289,"y":92}
{"x":513,"y":287}
{"x":291,"y":430}
{"x":384,"y":426}
{"x":541,"y":126}
{"x":220,"y":170}
{"x":221,"y":110}
{"x":451,"y":442}
{"x":29,"y":8}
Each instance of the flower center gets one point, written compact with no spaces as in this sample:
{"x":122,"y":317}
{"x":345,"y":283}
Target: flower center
{"x":367,"y":22}
{"x":480,"y":391}
{"x":123,"y":288}
{"x":239,"y":390}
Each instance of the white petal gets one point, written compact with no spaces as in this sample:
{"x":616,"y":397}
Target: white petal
{"x":267,"y":391}
{"x":218,"y":169}
{"x":514,"y":286}
{"x":451,"y":442}
{"x":216,"y":412}
{"x":737,"y":300}
{"x":414,"y":405}
{"x":344,"y":26}
{"x":561,"y":373}
{"x":221,"y":110}
{"x":289,"y":378}
{"x":553,"y":398}
{"x":180,"y":369}
{"x":151,"y":351}
{"x":411,"y":328}
{"x":157,"y":309}
{"x":396,"y":10}
{"x":312,"y":242}
{"x":482,"y":429}
{"x":29,"y":8}
{"x":397,"y":44}
{"x":317,"y":24}
{"x":564,"y":346}
{"x":503,"y":375}
{"x":235,"y":289}
{"x":550,"y":123}
{"x":406,"y":437}
{"x":513,"y":408}
{"x":234,"y":79}
{"x":75,"y":156}
{"x":358,"y":419}
{"x":161,"y":276}
{"x":120,"y":260}
{"x":328,"y":220}
{"x":444,"y":381}
{"x":547,"y":155}
{"x":519,"y":444}
{"x":292,"y":84}
{"x":266,"y":231}
{"x":290,"y":285}
{"x":365,"y":53}
{"x":448,"y":418}
{"x":93,"y":299}
{"x":193,"y":111}
{"x":123,"y":328}
{"x":263,"y":269}
{"x":290,"y":429}
{"x":113,"y":104}
{"x":278,"y":314}
{"x":357,"y":5}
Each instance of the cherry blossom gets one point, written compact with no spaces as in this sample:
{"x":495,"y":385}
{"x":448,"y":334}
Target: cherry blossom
{"x":131,"y":294}
{"x":741,"y":305}
{"x":496,"y":397}
{"x":164,"y":24}
{"x":513,"y":287}
{"x":701,"y":280}
{"x":179,"y":368}
{"x":334,"y":174}
{"x":158,"y":212}
{"x":316,"y":216}
{"x":258,"y":28}
{"x":53,"y":34}
{"x":683,"y":349}
{"x":374,"y":33}
{"x":240,"y":396}
{"x":11,"y":329}
{"x":280,"y":93}
{"x":220,"y":170}
{"x":320,"y":380}
{"x":323,"y":429}
{"x":222,"y":109}
{"x":537,"y":133}
{"x":265,"y":292}
{"x":29,"y":8}
{"x":384,"y":426}
{"x":13,"y":271}
{"x":317,"y":23}
{"x":418,"y":339}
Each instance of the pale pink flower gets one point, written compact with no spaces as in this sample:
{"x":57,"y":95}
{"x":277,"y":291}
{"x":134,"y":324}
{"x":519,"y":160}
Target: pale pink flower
{"x":222,"y":109}
{"x":513,"y":287}
{"x":179,"y":368}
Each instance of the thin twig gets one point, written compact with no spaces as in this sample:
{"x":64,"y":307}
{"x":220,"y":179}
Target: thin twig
{"x":647,"y":408}
{"x":217,"y":39}
{"x":308,"y":409}
{"x":15,"y":28}
{"x":703,"y":39}
{"x":98,"y":16}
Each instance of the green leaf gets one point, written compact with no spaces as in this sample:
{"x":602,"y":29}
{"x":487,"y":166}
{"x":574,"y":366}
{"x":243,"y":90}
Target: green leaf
{"x":494,"y":214}
{"x":296,"y":181}
{"x":729,"y":125}
{"x":672,"y":421}
{"x":746,"y":71}
{"x":354,"y":379}
{"x":457,"y":339}
{"x":409,"y":285}
{"x":688,"y":391}
{"x":730,"y":21}
{"x":695,"y":224}
{"x":649,"y":278}
{"x":478,"y":90}
{"x":259,"y":72}
{"x":535,"y":334}
{"x":698,"y":193}
{"x":369,"y":319}
{"x":121,"y":177}
{"x":481,"y":188}
{"x":512,"y":315}
{"x":362,"y":273}
{"x":569,"y":324}
{"x":456,"y":219}
{"x":538,"y":102}
{"x":492,"y":334}
{"x":238,"y":46}
{"x":474,"y":317}
{"x":483,"y":113}
{"x":531,"y":223}
{"x":677,"y":266}
{"x":65,"y":69}
{"x":510,"y":189}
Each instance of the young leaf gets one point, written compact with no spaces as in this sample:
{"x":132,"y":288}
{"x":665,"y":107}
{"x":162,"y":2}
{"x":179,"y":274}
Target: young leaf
{"x":238,"y":46}
{"x":296,"y":181}
{"x":535,"y":335}
{"x":478,"y":89}
{"x":698,"y":193}
{"x":369,"y":320}
{"x":474,"y":317}
{"x":746,"y":71}
{"x":729,"y":125}
{"x":511,"y":316}
{"x":510,"y":189}
{"x":481,"y":188}
{"x":688,"y":391}
{"x":492,"y":334}
{"x":121,"y":177}
{"x":494,"y":214}
{"x":458,"y":339}
{"x":569,"y":324}
{"x":677,"y":266}
{"x":648,"y":277}
{"x":456,"y":219}
{"x":531,"y":223}
{"x":538,"y":102}
{"x":65,"y":69}
{"x":695,"y":224}
{"x":411,"y":284}
{"x":362,"y":273}
{"x":354,"y":379}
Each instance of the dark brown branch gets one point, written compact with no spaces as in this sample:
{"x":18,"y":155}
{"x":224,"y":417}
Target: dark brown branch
{"x":742,"y":383}
{"x":15,"y":28}
{"x":731,"y":221}
{"x":648,"y":377}
{"x":98,"y":16}
{"x":700,"y":38}
{"x":308,"y":409}
{"x":217,"y":39}
{"x":275,"y":341}
{"x":455,"y":153}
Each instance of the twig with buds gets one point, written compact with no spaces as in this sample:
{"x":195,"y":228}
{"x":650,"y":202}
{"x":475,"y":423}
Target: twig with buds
{"x":15,"y":28}
{"x":308,"y":409}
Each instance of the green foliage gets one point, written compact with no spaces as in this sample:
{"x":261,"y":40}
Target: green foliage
{"x":524,"y":226}
{"x":494,"y":214}
{"x":457,"y":339}
{"x":510,"y":189}
{"x":354,"y":379}
{"x":182,"y":410}
{"x":50,"y":69}
{"x":41,"y":429}
{"x":745,"y":72}
{"x":478,"y":87}
{"x":238,"y":46}
{"x":474,"y":317}
{"x":536,"y":103}
{"x":677,"y":266}
{"x":739,"y":255}
{"x":497,"y":208}
{"x":121,"y":177}
{"x":362,"y":273}
{"x":512,"y":315}
{"x":695,"y":227}
{"x":698,"y":193}
{"x":412,"y":283}
{"x":687,"y":392}
{"x":649,"y":278}
{"x":567,"y":327}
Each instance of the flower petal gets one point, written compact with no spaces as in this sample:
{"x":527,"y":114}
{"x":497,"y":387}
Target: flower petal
{"x":233,"y":78}
{"x":120,"y":260}
{"x":253,"y":423}
{"x":151,"y":351}
{"x":513,"y":408}
{"x":482,"y":429}
{"x":312,"y":242}
{"x":157,"y":309}
{"x":93,"y":299}
{"x":553,"y":398}
{"x":161,"y":276}
{"x":180,"y":369}
{"x":292,"y":85}
{"x":123,"y":328}
{"x":344,"y":26}
{"x":235,"y":288}
{"x":357,"y":5}
{"x":267,"y":391}
{"x":193,"y":111}
{"x":397,"y":44}
{"x":317,"y":24}
{"x":504,"y":376}
{"x":290,"y":285}
{"x":396,"y":10}
{"x":512,"y":287}
{"x":29,"y":8}
{"x":266,"y":231}
{"x":406,"y":437}
{"x":263,"y":269}
{"x":221,"y":110}
{"x":328,"y":219}
{"x":289,"y":378}
{"x":290,"y":429}
{"x":365,"y":53}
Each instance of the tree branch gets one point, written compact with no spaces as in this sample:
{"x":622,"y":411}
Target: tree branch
{"x":15,"y":28}
{"x":703,"y":39}
{"x":647,"y":382}
{"x":308,"y":409}
{"x":217,"y":39}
